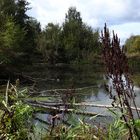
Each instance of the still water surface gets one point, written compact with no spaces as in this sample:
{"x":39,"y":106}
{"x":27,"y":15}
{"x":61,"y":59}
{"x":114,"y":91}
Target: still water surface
{"x":89,"y":77}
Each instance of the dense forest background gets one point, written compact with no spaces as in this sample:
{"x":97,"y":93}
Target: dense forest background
{"x":22,"y":40}
{"x":21,"y":36}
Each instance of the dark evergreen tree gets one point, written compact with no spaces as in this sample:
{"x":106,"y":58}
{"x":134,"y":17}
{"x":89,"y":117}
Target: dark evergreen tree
{"x":79,"y":39}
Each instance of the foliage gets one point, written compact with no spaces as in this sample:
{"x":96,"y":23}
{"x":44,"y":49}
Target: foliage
{"x":7,"y":7}
{"x":117,"y":70}
{"x":78,"y":131}
{"x":50,"y":44}
{"x":15,"y":122}
{"x":71,"y":34}
{"x":11,"y":37}
{"x":21,"y":36}
{"x":73,"y":41}
{"x":33,"y":30}
{"x":20,"y":16}
{"x":18,"y":32}
{"x":118,"y":130}
{"x":132,"y":45}
{"x":78,"y":38}
{"x":30,"y":25}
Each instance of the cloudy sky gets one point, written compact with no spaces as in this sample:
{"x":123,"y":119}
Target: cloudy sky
{"x":123,"y":16}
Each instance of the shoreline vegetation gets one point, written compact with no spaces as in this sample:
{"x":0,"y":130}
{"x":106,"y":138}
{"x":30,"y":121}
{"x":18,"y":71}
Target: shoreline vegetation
{"x":25,"y":48}
{"x":16,"y":111}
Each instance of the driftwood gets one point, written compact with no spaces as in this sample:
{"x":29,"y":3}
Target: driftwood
{"x":73,"y":89}
{"x":66,"y":110}
{"x":77,"y":104}
{"x":63,"y":90}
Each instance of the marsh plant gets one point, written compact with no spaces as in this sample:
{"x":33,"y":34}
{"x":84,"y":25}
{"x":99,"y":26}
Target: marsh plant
{"x":15,"y":121}
{"x":118,"y":71}
{"x":78,"y":130}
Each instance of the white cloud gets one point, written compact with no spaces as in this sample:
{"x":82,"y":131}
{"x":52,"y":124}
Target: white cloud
{"x":126,"y":30}
{"x":121,"y":15}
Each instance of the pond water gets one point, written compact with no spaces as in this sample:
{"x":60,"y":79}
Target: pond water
{"x":88,"y":82}
{"x":89,"y":79}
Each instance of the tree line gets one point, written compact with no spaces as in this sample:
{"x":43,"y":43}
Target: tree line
{"x":72,"y":41}
{"x":21,"y":36}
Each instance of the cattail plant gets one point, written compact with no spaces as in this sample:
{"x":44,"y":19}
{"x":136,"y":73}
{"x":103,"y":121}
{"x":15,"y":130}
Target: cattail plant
{"x":117,"y":70}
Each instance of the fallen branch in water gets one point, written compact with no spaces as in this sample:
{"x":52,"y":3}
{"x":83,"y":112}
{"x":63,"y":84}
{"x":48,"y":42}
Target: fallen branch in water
{"x":77,"y":104}
{"x":74,"y":89}
{"x":61,"y":90}
{"x":66,"y":110}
